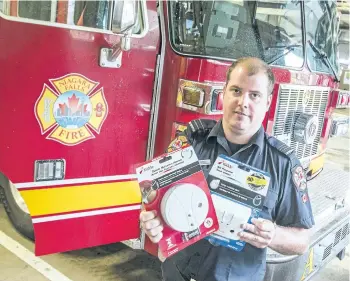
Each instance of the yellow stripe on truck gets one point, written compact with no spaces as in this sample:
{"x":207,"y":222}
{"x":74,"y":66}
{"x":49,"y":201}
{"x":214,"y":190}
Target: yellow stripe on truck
{"x":83,"y":197}
{"x":316,"y":164}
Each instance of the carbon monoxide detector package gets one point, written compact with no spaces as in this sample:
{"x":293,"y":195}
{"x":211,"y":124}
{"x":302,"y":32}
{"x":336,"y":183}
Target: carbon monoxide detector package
{"x":238,"y":192}
{"x":175,"y":187}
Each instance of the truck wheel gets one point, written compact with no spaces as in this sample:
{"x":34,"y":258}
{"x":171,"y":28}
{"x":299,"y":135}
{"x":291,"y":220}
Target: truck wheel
{"x":17,"y":210}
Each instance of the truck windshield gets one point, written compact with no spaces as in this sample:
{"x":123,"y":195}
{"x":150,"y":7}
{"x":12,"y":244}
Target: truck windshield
{"x":322,"y":30}
{"x":234,"y":29}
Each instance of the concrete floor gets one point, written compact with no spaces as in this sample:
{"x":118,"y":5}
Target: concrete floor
{"x":336,"y":270}
{"x":114,"y":262}
{"x":119,"y":263}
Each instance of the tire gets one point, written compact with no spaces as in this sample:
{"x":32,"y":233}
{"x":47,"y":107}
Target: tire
{"x":21,"y":220}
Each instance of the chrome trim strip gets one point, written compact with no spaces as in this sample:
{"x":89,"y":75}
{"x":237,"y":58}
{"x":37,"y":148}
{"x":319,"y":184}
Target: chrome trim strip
{"x":157,"y":88}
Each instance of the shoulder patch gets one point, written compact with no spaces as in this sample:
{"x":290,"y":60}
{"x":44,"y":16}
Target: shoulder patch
{"x":201,"y":126}
{"x":305,"y":198}
{"x":177,"y":143}
{"x":299,"y":178}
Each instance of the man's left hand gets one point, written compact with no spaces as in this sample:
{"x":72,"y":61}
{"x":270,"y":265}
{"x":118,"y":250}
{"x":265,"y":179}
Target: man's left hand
{"x":260,"y":233}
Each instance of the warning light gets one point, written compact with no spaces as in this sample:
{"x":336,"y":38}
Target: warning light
{"x":193,"y":96}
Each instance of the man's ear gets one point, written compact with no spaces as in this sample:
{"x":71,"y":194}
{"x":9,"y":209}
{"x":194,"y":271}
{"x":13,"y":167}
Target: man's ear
{"x":224,"y":90}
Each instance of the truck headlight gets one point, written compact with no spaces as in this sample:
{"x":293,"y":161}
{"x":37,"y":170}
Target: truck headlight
{"x":340,"y":127}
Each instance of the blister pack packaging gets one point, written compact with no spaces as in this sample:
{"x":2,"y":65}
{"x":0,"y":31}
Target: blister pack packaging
{"x":175,"y":187}
{"x":238,"y":193}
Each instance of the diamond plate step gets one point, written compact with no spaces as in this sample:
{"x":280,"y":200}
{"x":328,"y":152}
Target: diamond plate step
{"x":329,"y":194}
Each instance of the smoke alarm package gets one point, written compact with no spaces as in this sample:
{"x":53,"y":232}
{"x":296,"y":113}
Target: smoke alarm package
{"x":175,"y":187}
{"x":238,"y":193}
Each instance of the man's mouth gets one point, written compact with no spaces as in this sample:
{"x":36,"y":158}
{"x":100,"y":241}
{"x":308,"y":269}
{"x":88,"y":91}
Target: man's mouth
{"x":241,"y":113}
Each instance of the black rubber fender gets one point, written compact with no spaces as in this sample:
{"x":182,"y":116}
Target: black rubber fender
{"x":21,"y":220}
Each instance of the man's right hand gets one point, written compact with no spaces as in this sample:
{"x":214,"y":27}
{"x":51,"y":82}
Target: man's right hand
{"x":151,"y":225}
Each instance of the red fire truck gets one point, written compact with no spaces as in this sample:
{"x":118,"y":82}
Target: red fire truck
{"x":90,"y":88}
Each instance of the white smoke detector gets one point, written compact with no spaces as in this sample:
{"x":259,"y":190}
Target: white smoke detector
{"x":230,"y":216}
{"x":184,"y":207}
{"x":214,"y":184}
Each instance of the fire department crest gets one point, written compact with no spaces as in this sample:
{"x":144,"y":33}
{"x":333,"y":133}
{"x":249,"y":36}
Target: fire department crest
{"x":71,"y":109}
{"x":177,"y":143}
{"x":299,"y":178}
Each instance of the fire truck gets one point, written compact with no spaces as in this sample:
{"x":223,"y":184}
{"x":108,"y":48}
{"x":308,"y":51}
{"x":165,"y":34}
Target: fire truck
{"x":91,"y":88}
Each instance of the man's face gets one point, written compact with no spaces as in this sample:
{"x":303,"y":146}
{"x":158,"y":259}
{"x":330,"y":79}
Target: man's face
{"x":246,"y":100}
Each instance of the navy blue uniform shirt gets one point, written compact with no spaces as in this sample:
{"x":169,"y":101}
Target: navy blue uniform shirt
{"x":286,"y":203}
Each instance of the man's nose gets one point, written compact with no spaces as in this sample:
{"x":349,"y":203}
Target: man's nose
{"x":244,"y":99}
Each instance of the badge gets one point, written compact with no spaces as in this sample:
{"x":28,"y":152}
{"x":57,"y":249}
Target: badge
{"x":299,"y":178}
{"x":205,"y":162}
{"x":71,"y":109}
{"x":177,"y":143}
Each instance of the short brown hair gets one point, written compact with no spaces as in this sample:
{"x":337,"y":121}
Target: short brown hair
{"x":254,"y":66}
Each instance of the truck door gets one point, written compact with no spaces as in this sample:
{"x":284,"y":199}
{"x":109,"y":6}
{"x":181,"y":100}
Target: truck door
{"x":75,"y":112}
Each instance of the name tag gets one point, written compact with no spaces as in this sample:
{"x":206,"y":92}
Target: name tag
{"x":204,"y":162}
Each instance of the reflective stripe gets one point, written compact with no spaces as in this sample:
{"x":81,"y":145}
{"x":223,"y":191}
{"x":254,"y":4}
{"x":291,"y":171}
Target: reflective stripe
{"x":192,"y":127}
{"x":47,"y":201}
{"x":74,"y":181}
{"x":86,"y":214}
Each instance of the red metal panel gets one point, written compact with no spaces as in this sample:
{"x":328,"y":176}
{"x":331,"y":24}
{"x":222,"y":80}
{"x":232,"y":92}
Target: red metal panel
{"x":327,"y":124}
{"x":77,"y":233}
{"x":31,"y":55}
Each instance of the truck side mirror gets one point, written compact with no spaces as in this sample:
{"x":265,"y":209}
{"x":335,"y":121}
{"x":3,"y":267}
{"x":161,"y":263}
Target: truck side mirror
{"x":124,"y":16}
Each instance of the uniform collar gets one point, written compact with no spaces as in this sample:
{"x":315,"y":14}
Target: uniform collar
{"x":218,"y":133}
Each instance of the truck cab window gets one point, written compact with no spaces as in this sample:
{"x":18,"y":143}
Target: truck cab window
{"x":38,"y":10}
{"x":82,"y":13}
{"x":93,"y":14}
{"x":270,"y":30}
{"x":87,"y":13}
{"x":321,"y":29}
{"x":2,"y":6}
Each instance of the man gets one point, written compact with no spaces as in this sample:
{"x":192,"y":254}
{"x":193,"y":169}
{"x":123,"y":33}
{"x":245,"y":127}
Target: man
{"x":286,"y":215}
